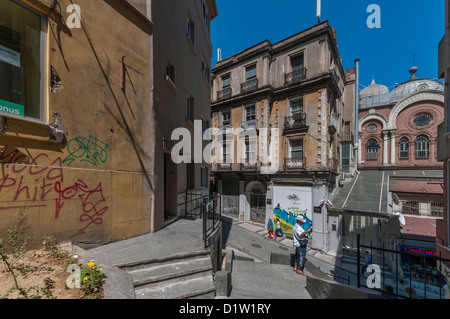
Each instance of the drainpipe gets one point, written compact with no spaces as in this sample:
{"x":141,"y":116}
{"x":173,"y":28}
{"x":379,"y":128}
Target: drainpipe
{"x":356,"y":143}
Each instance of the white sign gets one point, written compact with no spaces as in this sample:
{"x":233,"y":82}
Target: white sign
{"x":9,"y":56}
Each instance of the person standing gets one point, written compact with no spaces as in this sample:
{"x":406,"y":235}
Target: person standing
{"x":300,"y":243}
{"x":278,"y":231}
{"x":270,"y":229}
{"x":368,"y":262}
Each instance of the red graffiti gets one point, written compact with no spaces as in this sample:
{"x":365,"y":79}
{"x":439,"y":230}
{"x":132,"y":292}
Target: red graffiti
{"x":92,"y":202}
{"x":40,"y":179}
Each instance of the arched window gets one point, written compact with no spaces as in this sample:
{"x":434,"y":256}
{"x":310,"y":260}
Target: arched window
{"x":372,"y":148}
{"x":404,"y":148}
{"x":422,"y":147}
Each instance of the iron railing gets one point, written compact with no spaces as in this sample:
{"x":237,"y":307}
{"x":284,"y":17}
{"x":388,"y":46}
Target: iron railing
{"x":249,"y":86}
{"x":297,"y":120}
{"x":295,"y":77}
{"x":206,"y":207}
{"x":224,"y":94}
{"x":422,"y":281}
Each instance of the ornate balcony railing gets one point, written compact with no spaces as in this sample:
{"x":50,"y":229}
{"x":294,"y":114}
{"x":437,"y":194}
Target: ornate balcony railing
{"x":249,"y":86}
{"x":295,"y":77}
{"x":224,"y":94}
{"x":223,"y":129}
{"x":248,"y":164}
{"x":223,"y":166}
{"x":252,"y":124}
{"x":295,"y":163}
{"x":297,"y":120}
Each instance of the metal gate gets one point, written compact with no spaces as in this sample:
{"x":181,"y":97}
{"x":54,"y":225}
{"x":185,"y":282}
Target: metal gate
{"x":258,"y":208}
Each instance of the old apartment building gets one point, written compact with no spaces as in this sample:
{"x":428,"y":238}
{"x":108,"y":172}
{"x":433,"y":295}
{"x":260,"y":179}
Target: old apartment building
{"x":88,"y":102}
{"x":290,"y":96}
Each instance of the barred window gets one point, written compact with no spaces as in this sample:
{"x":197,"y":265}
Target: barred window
{"x":404,"y":148}
{"x":422,"y":147}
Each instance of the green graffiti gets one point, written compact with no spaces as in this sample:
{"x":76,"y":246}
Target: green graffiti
{"x":90,"y":150}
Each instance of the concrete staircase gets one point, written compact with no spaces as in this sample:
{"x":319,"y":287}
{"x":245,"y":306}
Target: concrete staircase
{"x":181,"y":276}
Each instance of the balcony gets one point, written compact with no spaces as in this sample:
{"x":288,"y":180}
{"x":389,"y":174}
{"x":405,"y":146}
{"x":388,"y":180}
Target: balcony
{"x":249,"y":86}
{"x":248,"y":125}
{"x":295,"y":163}
{"x":224,"y":94}
{"x":296,"y":121}
{"x":249,"y":165}
{"x":223,"y":166}
{"x":347,"y":137}
{"x":223,"y":129}
{"x":295,"y":77}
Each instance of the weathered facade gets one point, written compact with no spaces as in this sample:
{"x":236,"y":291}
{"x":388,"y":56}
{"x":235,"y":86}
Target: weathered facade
{"x":288,"y":96}
{"x":89,"y":106}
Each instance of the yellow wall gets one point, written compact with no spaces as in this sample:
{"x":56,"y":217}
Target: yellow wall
{"x":96,"y":186}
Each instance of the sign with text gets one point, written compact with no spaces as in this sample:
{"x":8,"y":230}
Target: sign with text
{"x":12,"y":108}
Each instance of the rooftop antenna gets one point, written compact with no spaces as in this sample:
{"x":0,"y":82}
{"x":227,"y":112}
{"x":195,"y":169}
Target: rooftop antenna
{"x":414,"y":59}
{"x":319,"y":10}
{"x":219,"y":55}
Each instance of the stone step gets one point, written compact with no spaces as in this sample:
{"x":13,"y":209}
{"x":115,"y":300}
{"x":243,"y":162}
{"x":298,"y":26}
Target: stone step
{"x":173,"y":272}
{"x":196,"y":288}
{"x":146,"y":263}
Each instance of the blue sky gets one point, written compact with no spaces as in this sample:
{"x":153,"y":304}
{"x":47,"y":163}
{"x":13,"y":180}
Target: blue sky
{"x":407,"y":28}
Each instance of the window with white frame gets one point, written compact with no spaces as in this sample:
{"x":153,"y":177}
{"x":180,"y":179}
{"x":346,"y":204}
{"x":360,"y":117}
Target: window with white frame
{"x":250,"y":113}
{"x":296,"y":148}
{"x":22,"y":61}
{"x":226,"y":152}
{"x":422,"y":147}
{"x":226,"y":118}
{"x":296,"y":105}
{"x":250,"y":150}
{"x":372,"y":148}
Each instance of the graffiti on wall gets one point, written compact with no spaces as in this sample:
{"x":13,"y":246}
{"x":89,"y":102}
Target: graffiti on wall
{"x":288,"y":218}
{"x":40,"y":180}
{"x":90,"y":150}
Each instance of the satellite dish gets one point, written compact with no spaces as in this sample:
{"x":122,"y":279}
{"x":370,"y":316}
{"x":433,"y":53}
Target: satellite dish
{"x":401,"y":218}
{"x":395,"y":199}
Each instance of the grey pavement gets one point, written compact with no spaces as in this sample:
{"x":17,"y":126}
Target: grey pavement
{"x":253,"y":276}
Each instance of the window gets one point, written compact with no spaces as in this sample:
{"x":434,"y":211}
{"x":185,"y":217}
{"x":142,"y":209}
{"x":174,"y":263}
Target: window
{"x":422,"y":119}
{"x":205,"y":125}
{"x":345,"y":160}
{"x":190,"y":108}
{"x":250,"y":72}
{"x":372,"y":150}
{"x":204,"y":177}
{"x":190,"y":32}
{"x":404,"y":148}
{"x":296,"y":106}
{"x":422,"y":147}
{"x":190,"y":176}
{"x":22,"y":77}
{"x":226,"y":118}
{"x":250,"y":113}
{"x":206,"y":71}
{"x":296,"y":148}
{"x":250,"y":150}
{"x":371,"y":128}
{"x":205,"y":14}
{"x":226,"y":152}
{"x":297,"y":63}
{"x":226,"y":81}
{"x":170,"y":72}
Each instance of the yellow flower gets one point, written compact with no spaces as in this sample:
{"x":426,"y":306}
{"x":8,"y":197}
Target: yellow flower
{"x":101,"y":269}
{"x":91,"y":264}
{"x":85,"y":278}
